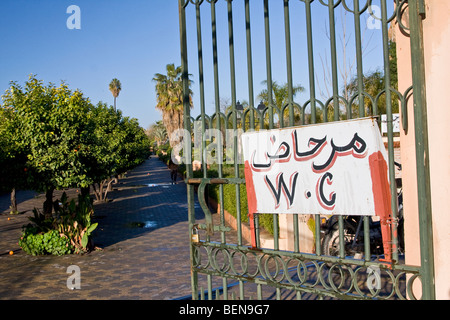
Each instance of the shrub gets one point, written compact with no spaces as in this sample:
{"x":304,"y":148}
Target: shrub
{"x":68,"y":231}
{"x":74,"y":220}
{"x":51,"y":242}
{"x":32,"y":243}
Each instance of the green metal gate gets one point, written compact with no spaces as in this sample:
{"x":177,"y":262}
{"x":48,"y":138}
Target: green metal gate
{"x":223,"y":264}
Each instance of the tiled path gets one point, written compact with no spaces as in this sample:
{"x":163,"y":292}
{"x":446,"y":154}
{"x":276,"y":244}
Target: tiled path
{"x":143,"y":234}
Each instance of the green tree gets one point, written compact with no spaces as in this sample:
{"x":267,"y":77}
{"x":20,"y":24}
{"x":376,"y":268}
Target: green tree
{"x":60,"y":140}
{"x":374,"y":84}
{"x":100,"y":153}
{"x":169,"y":96}
{"x":53,"y":130}
{"x":280,"y":96}
{"x":116,"y":145}
{"x":115,"y":87}
{"x":134,"y":145}
{"x":12,"y":155}
{"x":54,"y":138}
{"x":157,"y":133}
{"x":280,"y":93}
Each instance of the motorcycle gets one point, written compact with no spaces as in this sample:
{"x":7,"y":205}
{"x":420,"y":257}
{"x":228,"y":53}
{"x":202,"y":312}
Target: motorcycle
{"x":354,"y":231}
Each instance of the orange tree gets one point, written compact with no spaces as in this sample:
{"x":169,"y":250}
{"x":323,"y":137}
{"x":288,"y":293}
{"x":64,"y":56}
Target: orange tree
{"x":53,"y":125}
{"x":12,"y":156}
{"x":54,"y":138}
{"x":68,"y":142}
{"x":118,"y":144}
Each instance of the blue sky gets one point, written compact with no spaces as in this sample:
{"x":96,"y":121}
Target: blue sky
{"x":133,"y":40}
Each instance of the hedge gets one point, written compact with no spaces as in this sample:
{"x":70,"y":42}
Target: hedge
{"x":229,"y":196}
{"x":229,"y":191}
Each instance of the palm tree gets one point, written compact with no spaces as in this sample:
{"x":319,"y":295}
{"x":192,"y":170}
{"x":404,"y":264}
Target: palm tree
{"x":157,"y":133}
{"x":160,"y":135}
{"x":280,"y":95}
{"x":373,"y":84}
{"x":115,"y":87}
{"x":169,"y":96}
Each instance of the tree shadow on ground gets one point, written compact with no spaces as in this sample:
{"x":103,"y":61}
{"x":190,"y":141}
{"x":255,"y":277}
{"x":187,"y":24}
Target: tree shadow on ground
{"x":21,"y":196}
{"x":135,"y":211}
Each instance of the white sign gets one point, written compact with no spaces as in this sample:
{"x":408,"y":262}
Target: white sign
{"x":333,"y":168}
{"x":395,"y":123}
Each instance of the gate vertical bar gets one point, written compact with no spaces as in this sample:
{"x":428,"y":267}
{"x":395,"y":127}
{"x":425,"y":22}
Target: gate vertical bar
{"x":219,"y":154}
{"x":235,"y":137}
{"x":270,"y":99}
{"x":201,"y":85}
{"x":362,"y":113}
{"x":389,"y":118}
{"x":248,"y":33}
{"x":359,"y":62}
{"x":287,"y":29}
{"x":288,"y":64}
{"x":235,"y":132}
{"x":333,"y":56}
{"x":187,"y":147}
{"x":268,"y":63}
{"x":312,"y":86}
{"x":422,"y":152}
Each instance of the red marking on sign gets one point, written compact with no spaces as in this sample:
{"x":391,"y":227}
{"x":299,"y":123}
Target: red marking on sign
{"x":382,"y":199}
{"x":251,"y":198}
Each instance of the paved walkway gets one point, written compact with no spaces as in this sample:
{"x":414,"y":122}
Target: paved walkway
{"x":143,"y":233}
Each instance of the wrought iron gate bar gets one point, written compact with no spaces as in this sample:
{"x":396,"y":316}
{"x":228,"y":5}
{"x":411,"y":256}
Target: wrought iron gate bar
{"x":307,"y":275}
{"x":306,"y":256}
{"x":284,"y":276}
{"x":416,"y":13}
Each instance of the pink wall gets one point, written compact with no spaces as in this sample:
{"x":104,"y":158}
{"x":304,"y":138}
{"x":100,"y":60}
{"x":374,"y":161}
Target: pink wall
{"x":436,"y":29}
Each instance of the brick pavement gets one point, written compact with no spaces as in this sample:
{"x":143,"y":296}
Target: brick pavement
{"x":143,"y":233}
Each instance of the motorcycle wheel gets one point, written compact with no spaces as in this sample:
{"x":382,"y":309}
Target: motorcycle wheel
{"x":331,"y":242}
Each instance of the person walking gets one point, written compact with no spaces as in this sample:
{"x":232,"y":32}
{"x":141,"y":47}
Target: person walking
{"x":173,"y":171}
